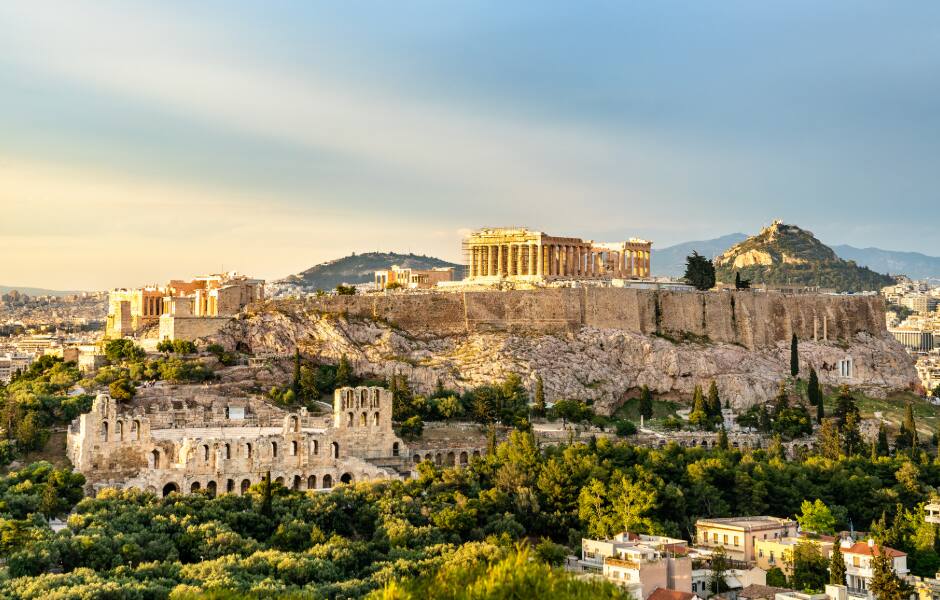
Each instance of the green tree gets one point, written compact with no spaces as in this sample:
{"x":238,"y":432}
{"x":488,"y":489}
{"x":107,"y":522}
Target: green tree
{"x":820,"y":411}
{"x":836,"y":565}
{"x":295,"y":380}
{"x":722,"y":438}
{"x":739,"y":283}
{"x":813,"y":391}
{"x":794,"y":356}
{"x":573,"y":411}
{"x":885,"y":583}
{"x":345,"y":290}
{"x":699,"y":272}
{"x":646,"y":403}
{"x":449,"y":407}
{"x":713,"y":404}
{"x":907,"y":432}
{"x":808,"y":565}
{"x":30,"y":433}
{"x":122,"y":389}
{"x":851,"y":437}
{"x":698,"y":418}
{"x":828,"y":440}
{"x":165,"y":345}
{"x":719,"y":567}
{"x":816,"y":517}
{"x":538,"y":406}
{"x":412,"y":428}
{"x":882,"y":447}
{"x":344,"y":374}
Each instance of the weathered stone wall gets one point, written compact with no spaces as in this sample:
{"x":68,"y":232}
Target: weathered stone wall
{"x":755,"y":320}
{"x":190,"y":328}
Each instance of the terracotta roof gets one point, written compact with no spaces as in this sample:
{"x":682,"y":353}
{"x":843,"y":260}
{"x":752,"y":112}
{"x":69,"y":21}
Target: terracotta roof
{"x":761,"y":592}
{"x":667,"y":594}
{"x":863,"y":548}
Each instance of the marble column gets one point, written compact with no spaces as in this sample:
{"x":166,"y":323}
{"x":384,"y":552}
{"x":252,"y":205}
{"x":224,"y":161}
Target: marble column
{"x":532,"y":259}
{"x":491,"y":262}
{"x":541,"y":260}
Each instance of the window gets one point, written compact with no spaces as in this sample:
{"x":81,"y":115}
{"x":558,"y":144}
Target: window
{"x":760,"y":553}
{"x":274,"y":449}
{"x":736,"y":541}
{"x":855,"y":561}
{"x":724,"y":539}
{"x":293,"y":448}
{"x":248,"y":450}
{"x":228,"y":452}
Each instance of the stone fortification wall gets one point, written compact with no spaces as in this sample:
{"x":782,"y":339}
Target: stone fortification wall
{"x":751,"y":319}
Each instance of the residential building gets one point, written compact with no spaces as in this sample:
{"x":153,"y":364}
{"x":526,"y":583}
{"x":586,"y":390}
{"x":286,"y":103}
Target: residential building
{"x":858,"y":563}
{"x":412,"y":278}
{"x":666,"y":594}
{"x":736,"y":580}
{"x":639,"y":563}
{"x":778,"y":552}
{"x":761,"y":592}
{"x":738,"y":535}
{"x":11,"y":362}
{"x":920,"y":303}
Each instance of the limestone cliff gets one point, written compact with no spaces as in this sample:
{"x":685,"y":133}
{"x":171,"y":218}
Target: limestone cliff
{"x":589,"y":349}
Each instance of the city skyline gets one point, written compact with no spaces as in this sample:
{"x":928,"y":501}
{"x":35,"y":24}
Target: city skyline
{"x":141,"y":144}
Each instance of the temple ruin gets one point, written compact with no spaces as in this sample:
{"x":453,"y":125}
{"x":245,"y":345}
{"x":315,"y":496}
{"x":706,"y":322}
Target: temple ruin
{"x":495,"y":254}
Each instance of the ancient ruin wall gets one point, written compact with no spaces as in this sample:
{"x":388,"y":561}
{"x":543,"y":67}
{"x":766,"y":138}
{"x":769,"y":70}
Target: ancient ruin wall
{"x":751,"y":319}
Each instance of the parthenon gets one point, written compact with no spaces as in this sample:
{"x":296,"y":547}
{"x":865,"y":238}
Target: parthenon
{"x":518,"y":253}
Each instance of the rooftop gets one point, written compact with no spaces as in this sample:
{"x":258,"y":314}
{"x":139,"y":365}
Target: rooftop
{"x":748,"y":523}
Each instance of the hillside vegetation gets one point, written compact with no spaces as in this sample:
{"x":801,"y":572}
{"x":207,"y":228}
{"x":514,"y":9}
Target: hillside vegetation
{"x":361,"y":268}
{"x":784,"y":254}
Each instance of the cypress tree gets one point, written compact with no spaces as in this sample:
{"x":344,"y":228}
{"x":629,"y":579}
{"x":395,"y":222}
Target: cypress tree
{"x":295,"y":384}
{"x":910,"y":427}
{"x":836,"y":565}
{"x":266,"y":495}
{"x":538,"y":407}
{"x":699,"y":415}
{"x":794,"y":356}
{"x":343,"y":372}
{"x":813,"y":393}
{"x":646,"y":403}
{"x":722,"y":439}
{"x":882,"y":444}
{"x":714,"y":402}
{"x":820,"y":411}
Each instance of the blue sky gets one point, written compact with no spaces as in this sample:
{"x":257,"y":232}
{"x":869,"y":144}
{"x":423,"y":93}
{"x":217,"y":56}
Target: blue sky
{"x":143,"y":141}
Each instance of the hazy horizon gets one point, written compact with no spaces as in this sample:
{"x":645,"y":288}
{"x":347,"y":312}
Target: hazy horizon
{"x":169,"y":139}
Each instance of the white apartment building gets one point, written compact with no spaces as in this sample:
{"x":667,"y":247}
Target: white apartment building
{"x":640,"y":564}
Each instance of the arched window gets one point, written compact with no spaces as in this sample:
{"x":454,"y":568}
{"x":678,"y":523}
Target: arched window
{"x":362,"y":398}
{"x":327,"y":481}
{"x":312,"y":482}
{"x":194,"y":487}
{"x":156,"y":459}
{"x":104,"y":431}
{"x":229,"y":486}
{"x":228,"y":452}
{"x":293,"y":448}
{"x":119,"y":431}
{"x":211,"y":488}
{"x":349,"y":420}
{"x":245,"y":485}
{"x":248,"y":450}
{"x":395,"y":449}
{"x":135,"y":430}
{"x":170,"y":488}
{"x":316,"y":447}
{"x":375,"y":419}
{"x":346,"y":478}
{"x":205,"y":452}
{"x":294,"y":424}
{"x":335,"y":450}
{"x":274,"y":449}
{"x":451,"y":460}
{"x":463,"y":458}
{"x":296,"y":484}
{"x":362,"y":420}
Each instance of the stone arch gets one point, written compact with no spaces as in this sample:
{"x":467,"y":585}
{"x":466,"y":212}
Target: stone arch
{"x":428,"y":457}
{"x":476,"y":454}
{"x":464,"y":459}
{"x":245,"y":485}
{"x":416,"y":458}
{"x":294,"y":424}
{"x":229,"y":486}
{"x":118,"y":431}
{"x":346,"y":478}
{"x":315,"y":445}
{"x":104,"y":431}
{"x":662,"y":443}
{"x":334,"y":449}
{"x":327,"y":481}
{"x":211,"y":488}
{"x":135,"y":430}
{"x":395,"y":449}
{"x":155,"y":455}
{"x":170,"y":488}
{"x":451,"y":459}
{"x":194,"y":487}
{"x":279,"y":480}
{"x":228,"y":451}
{"x":205,"y":452}
{"x":293,"y":448}
{"x":349,"y":419}
{"x":363,"y":419}
{"x":248,"y":449}
{"x":438,"y":459}
{"x":375,"y":419}
{"x":312,"y":482}
{"x":296,"y":483}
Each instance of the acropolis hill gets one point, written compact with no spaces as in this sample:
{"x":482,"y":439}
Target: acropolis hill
{"x":589,"y":342}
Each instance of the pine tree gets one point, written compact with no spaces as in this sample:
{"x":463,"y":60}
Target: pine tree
{"x":646,"y":403}
{"x":713,"y":406}
{"x":699,"y":272}
{"x":699,"y":415}
{"x":538,"y":407}
{"x":851,"y":438}
{"x":794,"y":356}
{"x":813,"y":393}
{"x":722,"y":439}
{"x":882,"y":446}
{"x":830,"y":445}
{"x":885,"y":584}
{"x":836,"y":565}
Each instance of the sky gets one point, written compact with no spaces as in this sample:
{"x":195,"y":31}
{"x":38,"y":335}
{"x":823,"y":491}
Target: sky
{"x":143,"y":141}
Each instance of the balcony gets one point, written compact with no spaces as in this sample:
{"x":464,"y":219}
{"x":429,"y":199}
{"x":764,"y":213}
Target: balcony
{"x":623,"y":564}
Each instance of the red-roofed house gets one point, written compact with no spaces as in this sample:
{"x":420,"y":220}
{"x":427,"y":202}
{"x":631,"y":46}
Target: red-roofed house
{"x":667,"y":594}
{"x":858,"y":562}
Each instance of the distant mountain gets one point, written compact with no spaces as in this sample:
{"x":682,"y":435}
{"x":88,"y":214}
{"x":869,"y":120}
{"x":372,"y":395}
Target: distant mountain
{"x":670,"y":261}
{"x":913,"y":264}
{"x":784,"y":254}
{"x":361,"y":268}
{"x":31,"y":291}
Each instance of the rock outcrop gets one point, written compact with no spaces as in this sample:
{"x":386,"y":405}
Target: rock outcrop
{"x":584,"y":360}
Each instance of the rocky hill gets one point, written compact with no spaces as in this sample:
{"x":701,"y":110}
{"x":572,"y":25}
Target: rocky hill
{"x":360,"y":268}
{"x":784,"y":254}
